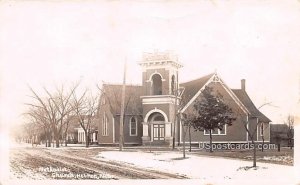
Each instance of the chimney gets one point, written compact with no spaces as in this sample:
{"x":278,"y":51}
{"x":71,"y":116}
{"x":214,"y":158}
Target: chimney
{"x":243,"y":84}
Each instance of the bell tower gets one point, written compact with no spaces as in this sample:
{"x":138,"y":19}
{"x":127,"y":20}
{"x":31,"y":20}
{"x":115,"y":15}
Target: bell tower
{"x":160,"y":89}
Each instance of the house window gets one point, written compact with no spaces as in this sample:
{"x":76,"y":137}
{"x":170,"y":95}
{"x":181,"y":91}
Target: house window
{"x":261,"y":129}
{"x":217,"y":131}
{"x":104,"y":125}
{"x":133,"y":127}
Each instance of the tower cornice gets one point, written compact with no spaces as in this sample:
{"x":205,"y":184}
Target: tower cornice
{"x":160,"y":59}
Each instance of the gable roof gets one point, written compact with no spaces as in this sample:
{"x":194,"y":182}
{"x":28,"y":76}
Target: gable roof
{"x":113,"y":96}
{"x":192,"y":87}
{"x":245,"y":99}
{"x":195,"y":87}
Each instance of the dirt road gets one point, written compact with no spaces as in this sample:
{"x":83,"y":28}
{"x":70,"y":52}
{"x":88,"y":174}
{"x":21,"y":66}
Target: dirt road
{"x":43,"y":163}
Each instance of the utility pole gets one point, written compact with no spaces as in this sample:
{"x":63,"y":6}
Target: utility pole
{"x":121,"y":139}
{"x":175,"y":111}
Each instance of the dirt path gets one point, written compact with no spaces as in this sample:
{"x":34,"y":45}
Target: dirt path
{"x":41,"y":163}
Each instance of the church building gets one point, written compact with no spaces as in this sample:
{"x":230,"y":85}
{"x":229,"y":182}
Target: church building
{"x":151,"y":108}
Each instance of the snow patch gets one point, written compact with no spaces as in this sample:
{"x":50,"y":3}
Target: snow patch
{"x":200,"y":167}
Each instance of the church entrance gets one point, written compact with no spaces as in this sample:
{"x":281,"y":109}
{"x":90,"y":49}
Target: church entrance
{"x":157,"y":129}
{"x":158,"y":132}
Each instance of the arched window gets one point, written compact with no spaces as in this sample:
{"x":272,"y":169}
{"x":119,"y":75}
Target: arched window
{"x":156,"y":85}
{"x":133,"y":126}
{"x":173,"y":85}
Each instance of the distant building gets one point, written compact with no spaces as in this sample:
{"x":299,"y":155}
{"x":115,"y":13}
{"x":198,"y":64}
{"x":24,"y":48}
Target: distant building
{"x":81,"y":135}
{"x":280,"y":133}
{"x":150,"y":107}
{"x":76,"y":133}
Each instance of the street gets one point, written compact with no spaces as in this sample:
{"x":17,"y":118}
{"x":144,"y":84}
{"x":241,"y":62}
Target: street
{"x":42,"y":163}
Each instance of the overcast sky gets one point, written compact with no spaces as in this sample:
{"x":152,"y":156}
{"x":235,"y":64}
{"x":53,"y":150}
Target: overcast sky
{"x":56,"y":42}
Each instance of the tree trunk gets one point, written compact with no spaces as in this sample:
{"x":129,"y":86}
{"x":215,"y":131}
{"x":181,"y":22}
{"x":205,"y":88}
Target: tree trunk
{"x":291,"y":143}
{"x":57,"y":142}
{"x":278,"y":147}
{"x":263,"y":138}
{"x":87,"y":139}
{"x":66,"y":140}
{"x":210,"y":141}
{"x":263,"y":142}
{"x":254,"y":154}
{"x":46,"y":139}
{"x":184,"y":134}
{"x":56,"y":137}
{"x":190,"y":138}
{"x":50,"y":138}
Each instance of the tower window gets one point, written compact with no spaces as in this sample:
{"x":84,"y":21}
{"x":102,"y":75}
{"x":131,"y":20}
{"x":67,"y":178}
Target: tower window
{"x":173,"y":85}
{"x":156,"y":85}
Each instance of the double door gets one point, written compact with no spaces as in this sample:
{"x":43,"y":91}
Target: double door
{"x":158,"y":132}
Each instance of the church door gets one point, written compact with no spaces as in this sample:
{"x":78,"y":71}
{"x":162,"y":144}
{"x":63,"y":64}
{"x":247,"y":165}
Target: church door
{"x":158,"y":132}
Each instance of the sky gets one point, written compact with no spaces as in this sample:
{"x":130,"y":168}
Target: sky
{"x":50,"y":43}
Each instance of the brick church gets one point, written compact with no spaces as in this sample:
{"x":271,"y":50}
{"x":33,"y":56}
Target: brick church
{"x":150,"y":108}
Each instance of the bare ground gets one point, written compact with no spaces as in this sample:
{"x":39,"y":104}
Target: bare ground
{"x":43,"y":163}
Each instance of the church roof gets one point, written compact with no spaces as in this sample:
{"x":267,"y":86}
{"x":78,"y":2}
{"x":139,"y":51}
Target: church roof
{"x":133,"y":103}
{"x":245,"y":99}
{"x":133,"y":93}
{"x":192,"y":87}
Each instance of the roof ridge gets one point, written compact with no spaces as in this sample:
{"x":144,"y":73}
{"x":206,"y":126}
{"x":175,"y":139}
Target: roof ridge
{"x":209,"y":75}
{"x":117,"y":84}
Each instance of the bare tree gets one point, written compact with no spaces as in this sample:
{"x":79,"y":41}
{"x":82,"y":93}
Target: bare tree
{"x":262,"y":126}
{"x":85,"y":107}
{"x":56,"y":107}
{"x":290,"y":130}
{"x":30,"y":131}
{"x":251,"y":131}
{"x":251,"y":136}
{"x":66,"y":128}
{"x":187,"y":118}
{"x":39,"y":119}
